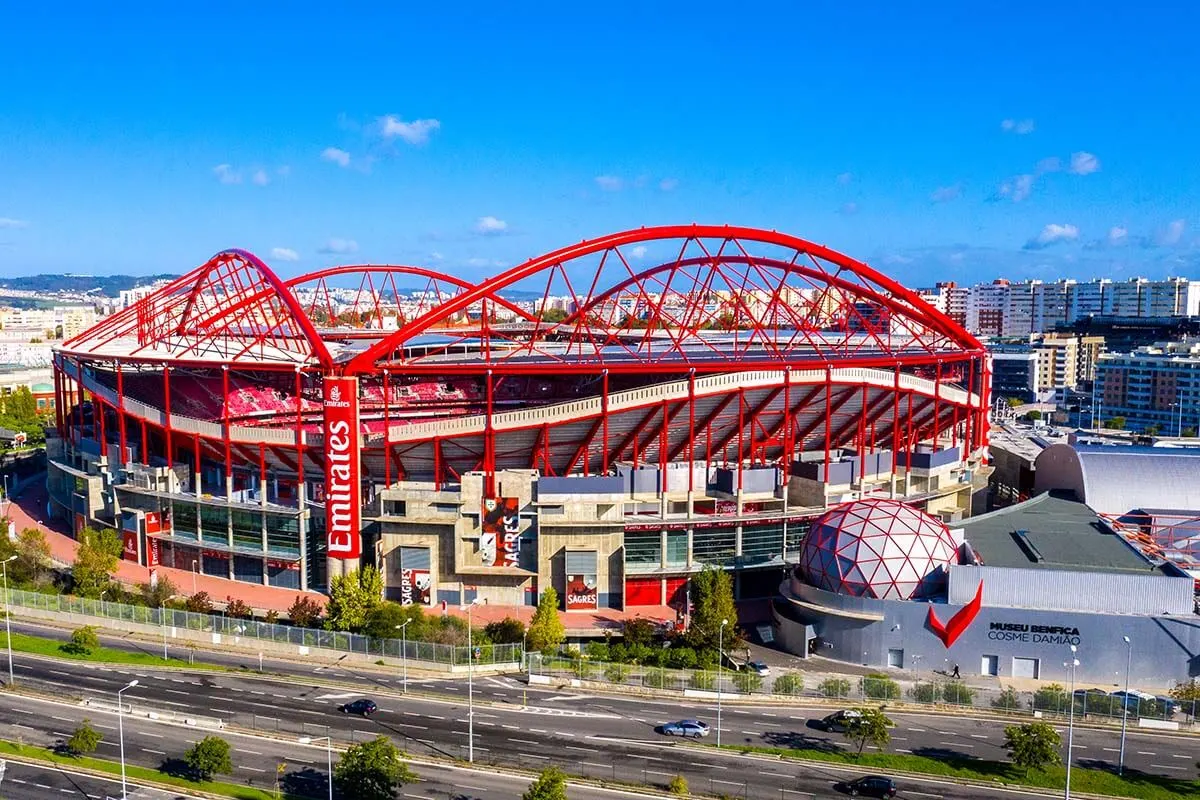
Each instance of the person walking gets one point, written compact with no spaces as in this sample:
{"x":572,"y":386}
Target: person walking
{"x":955,"y":674}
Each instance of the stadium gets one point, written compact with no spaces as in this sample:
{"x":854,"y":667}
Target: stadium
{"x":606,"y":419}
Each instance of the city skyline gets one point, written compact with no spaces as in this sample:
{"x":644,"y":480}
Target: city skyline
{"x":470,"y":141}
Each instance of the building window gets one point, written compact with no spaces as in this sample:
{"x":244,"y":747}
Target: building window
{"x":643,"y":547}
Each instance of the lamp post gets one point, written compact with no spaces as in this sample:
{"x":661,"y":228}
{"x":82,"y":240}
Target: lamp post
{"x":720,"y":654}
{"x":328,"y":756}
{"x":121,"y":733}
{"x":1071,"y":722}
{"x":195,"y":570}
{"x":1125,"y":703}
{"x":470,"y":688}
{"x":404,"y":651}
{"x":916,"y":659}
{"x":7,"y":615}
{"x":1178,"y":419}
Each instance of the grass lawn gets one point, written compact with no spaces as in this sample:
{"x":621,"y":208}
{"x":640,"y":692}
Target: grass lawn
{"x":954,"y":765}
{"x":139,"y":773}
{"x":24,"y":643}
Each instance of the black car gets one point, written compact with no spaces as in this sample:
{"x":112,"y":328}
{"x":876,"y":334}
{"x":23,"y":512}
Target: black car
{"x":364,"y":707}
{"x":870,"y":786}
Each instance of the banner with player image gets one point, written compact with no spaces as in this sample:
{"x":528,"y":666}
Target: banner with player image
{"x":500,"y":539}
{"x":581,"y":592}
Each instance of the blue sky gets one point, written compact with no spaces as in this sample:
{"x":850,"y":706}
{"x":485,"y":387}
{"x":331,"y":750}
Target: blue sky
{"x":469,"y":137}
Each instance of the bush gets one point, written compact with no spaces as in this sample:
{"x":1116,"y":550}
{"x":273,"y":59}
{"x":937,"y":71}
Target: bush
{"x":878,"y":686}
{"x":655,"y":678}
{"x":237,"y":608}
{"x":958,"y":693}
{"x":505,"y":631}
{"x":304,"y":612}
{"x":702,"y":679}
{"x":208,"y":757}
{"x":789,"y":683}
{"x":834,"y":687}
{"x":678,"y":785}
{"x":157,"y":595}
{"x":748,"y":682}
{"x":83,"y":642}
{"x":596,"y":651}
{"x":638,"y":631}
{"x":1050,"y":698}
{"x":199,"y":603}
{"x":925,"y":693}
{"x":616,"y":673}
{"x":681,"y":658}
{"x":271,"y":617}
{"x":84,"y":740}
{"x":1007,"y":700}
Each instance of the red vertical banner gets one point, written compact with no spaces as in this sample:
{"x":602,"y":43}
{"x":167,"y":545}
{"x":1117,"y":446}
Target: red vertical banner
{"x":129,"y":546}
{"x":342,"y":481}
{"x":500,"y":538}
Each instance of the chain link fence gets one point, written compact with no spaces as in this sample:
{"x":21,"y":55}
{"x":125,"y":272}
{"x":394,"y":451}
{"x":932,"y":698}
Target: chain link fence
{"x":256,"y":630}
{"x":1051,"y":699}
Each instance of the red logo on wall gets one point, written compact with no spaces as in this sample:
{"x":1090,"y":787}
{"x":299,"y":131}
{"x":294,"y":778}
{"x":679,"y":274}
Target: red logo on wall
{"x":414,"y":587}
{"x":500,"y":539}
{"x":959,"y":623}
{"x":581,"y":592}
{"x":153,"y":552}
{"x":342,"y":482}
{"x":129,"y":545}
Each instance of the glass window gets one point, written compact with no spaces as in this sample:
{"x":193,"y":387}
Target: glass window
{"x":183,"y":520}
{"x":762,"y":542}
{"x":677,"y":548}
{"x":214,"y":524}
{"x":643,"y":548}
{"x":247,"y":529}
{"x":714,"y":545}
{"x":283,"y":534}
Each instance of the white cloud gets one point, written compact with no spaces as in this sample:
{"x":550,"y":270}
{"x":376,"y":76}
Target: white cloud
{"x":9,"y":222}
{"x":339,"y":247}
{"x":610,"y":183}
{"x":227,"y":174}
{"x":284,"y":254}
{"x":668,"y":184}
{"x":1053,"y":234}
{"x":260,"y":177}
{"x":944,"y":194}
{"x":1083,"y":163}
{"x":1017,"y":126}
{"x":335,"y":155}
{"x":1016,"y":189}
{"x":848,"y":209}
{"x":1170,"y":235}
{"x":639,"y":251}
{"x":416,"y":132}
{"x":490,"y":226}
{"x":1051,"y":164}
{"x":845,"y":178}
{"x":1117,"y":235}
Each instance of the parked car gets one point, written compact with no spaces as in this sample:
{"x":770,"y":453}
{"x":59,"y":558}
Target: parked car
{"x":836,"y":722}
{"x":1169,"y":704}
{"x":758,"y":668}
{"x":1133,"y":699}
{"x":687,"y":728}
{"x":869,"y":786}
{"x":364,"y":707}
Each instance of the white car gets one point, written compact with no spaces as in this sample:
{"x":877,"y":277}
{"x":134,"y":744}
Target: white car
{"x":758,"y":668}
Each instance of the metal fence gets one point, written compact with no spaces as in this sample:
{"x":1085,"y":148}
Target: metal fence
{"x":1050,"y":699}
{"x":256,"y":630}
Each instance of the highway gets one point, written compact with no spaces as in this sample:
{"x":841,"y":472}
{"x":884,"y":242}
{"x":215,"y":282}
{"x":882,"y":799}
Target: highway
{"x":600,"y":736}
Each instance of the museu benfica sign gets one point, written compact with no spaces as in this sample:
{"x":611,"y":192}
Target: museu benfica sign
{"x":342,"y":483}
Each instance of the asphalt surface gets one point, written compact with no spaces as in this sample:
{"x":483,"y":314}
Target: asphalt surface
{"x":605,"y":737}
{"x":23,"y":781}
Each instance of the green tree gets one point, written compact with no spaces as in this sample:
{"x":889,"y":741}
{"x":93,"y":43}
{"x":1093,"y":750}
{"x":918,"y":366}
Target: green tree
{"x":83,"y":642}
{"x":638,"y":631}
{"x":33,"y":556}
{"x":958,"y":693}
{"x":712,"y":591}
{"x":789,"y":683}
{"x":879,"y":686}
{"x":1052,"y":697}
{"x":84,"y":740}
{"x":1151,"y":430}
{"x":352,"y":598}
{"x":869,"y":727}
{"x":21,"y":407}
{"x":552,"y":315}
{"x":209,"y":757}
{"x":199,"y":603}
{"x":546,"y":631}
{"x":551,"y":784}
{"x":304,"y":611}
{"x":1007,"y":700}
{"x":1188,"y":433}
{"x":678,"y":786}
{"x":158,"y":594}
{"x":384,"y":619}
{"x":1034,"y":415}
{"x":237,"y":608}
{"x":927,"y":692}
{"x":1187,"y":695}
{"x":747,"y":682}
{"x":1033,"y":745}
{"x":506,"y":631}
{"x":1115,"y":424}
{"x":616,"y":673}
{"x":372,"y":770}
{"x":95,"y":561}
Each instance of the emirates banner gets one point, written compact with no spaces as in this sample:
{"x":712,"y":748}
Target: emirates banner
{"x":500,"y":539}
{"x":342,"y":482}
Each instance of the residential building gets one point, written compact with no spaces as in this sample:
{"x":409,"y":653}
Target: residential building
{"x":1090,"y":299}
{"x":1019,"y":303}
{"x":1156,"y":386}
{"x":1051,"y":302}
{"x":985,"y":308}
{"x":1015,"y":374}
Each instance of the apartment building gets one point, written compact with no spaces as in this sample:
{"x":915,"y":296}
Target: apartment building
{"x":1156,"y":386}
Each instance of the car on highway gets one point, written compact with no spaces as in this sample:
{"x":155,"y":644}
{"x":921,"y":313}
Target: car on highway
{"x":837,"y":721}
{"x":869,"y":786}
{"x":687,"y":728}
{"x":364,"y":707}
{"x":758,"y":668}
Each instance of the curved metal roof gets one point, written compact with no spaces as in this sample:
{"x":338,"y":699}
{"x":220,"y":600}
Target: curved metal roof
{"x":1115,"y":480}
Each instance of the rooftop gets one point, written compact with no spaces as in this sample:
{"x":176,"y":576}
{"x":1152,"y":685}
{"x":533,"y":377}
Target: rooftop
{"x":1067,"y":534}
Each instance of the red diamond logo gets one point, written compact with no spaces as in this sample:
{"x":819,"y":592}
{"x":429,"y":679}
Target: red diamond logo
{"x":959,"y":623}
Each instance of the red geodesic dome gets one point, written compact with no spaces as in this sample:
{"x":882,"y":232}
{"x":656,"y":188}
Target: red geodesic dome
{"x":884,"y":549}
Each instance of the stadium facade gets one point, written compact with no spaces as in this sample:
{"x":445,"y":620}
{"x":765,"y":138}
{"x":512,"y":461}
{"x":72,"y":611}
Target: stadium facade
{"x":606,"y":419}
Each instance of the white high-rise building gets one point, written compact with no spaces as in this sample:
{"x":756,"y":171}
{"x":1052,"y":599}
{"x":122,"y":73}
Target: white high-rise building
{"x":1019,"y":309}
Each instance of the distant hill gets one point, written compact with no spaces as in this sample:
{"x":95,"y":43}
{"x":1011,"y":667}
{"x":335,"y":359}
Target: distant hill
{"x":106,"y":285}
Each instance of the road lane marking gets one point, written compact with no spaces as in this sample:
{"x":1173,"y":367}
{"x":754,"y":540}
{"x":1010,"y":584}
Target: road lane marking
{"x":522,"y":741}
{"x":958,"y":744}
{"x":1169,"y":766}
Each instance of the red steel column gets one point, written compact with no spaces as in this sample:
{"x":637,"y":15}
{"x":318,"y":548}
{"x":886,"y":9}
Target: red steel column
{"x":691,"y":448}
{"x":167,"y":414}
{"x":225,"y":429}
{"x":489,"y":442}
{"x":604,"y":418}
{"x":387,"y":453}
{"x":300,"y":439}
{"x":937,"y":404}
{"x":121,"y":410}
{"x":828,"y":414}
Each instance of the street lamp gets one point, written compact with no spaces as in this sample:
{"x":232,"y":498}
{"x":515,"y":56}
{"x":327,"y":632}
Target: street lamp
{"x":195,"y":570}
{"x":720,"y":654}
{"x":916,"y":659}
{"x":404,"y":650}
{"x":1178,"y":419}
{"x":328,"y":756}
{"x":470,"y":688}
{"x":121,"y":733}
{"x":7,"y":615}
{"x":1071,"y":721}
{"x":1125,"y":703}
